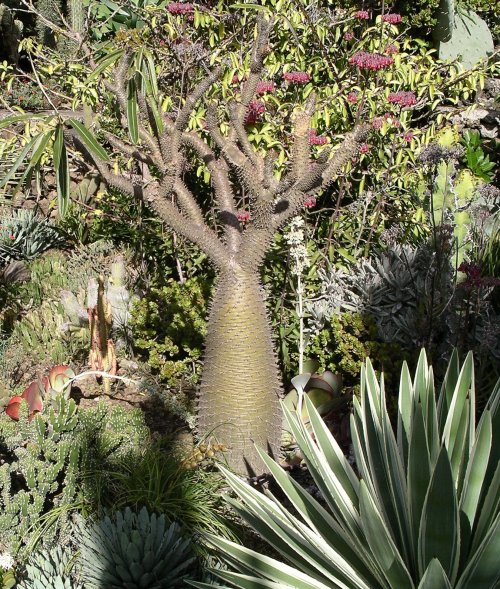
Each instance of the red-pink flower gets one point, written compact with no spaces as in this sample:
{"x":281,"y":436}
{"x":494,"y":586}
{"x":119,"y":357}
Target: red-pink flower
{"x":392,"y":18}
{"x":310,"y":202}
{"x":315,"y":139}
{"x":402,"y":98}
{"x":12,"y":237}
{"x":364,"y":148}
{"x":352,"y":97}
{"x":349,"y":36}
{"x":296,"y":77}
{"x":180,"y":7}
{"x":377,"y":123}
{"x":263,"y":87}
{"x":391,"y":49}
{"x":255,"y":109}
{"x":362,"y":15}
{"x":243,"y":216}
{"x":408,"y":137}
{"x":370,"y":61}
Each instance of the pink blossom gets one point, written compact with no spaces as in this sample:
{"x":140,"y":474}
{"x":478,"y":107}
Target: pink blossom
{"x":263,"y":87}
{"x":391,"y":49}
{"x":377,"y":123}
{"x":362,"y":15}
{"x":255,"y":109}
{"x":315,"y":139}
{"x":402,"y":98}
{"x":392,"y":18}
{"x":352,"y":97}
{"x":364,"y":148}
{"x":310,"y":202}
{"x":243,"y":216}
{"x":12,"y":237}
{"x":180,"y":7}
{"x":349,"y":36}
{"x":297,"y":77}
{"x":408,"y":137}
{"x":370,"y":61}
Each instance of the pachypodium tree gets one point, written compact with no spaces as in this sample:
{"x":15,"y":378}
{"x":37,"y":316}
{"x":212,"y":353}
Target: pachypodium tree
{"x":240,"y":387}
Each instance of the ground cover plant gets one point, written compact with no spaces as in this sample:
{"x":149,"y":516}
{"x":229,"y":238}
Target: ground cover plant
{"x":211,"y":214}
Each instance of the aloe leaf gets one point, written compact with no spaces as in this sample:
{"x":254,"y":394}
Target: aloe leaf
{"x":132,"y":115}
{"x":89,"y":140}
{"x":381,"y":543}
{"x":439,"y":524}
{"x":434,"y":577}
{"x":482,"y":571}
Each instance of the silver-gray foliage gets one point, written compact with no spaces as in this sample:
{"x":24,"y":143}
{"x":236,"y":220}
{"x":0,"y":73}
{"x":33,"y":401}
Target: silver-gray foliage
{"x":50,"y":570}
{"x":130,"y":551}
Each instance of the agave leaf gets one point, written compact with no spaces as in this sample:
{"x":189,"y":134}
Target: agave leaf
{"x":489,"y":510}
{"x":447,"y":389}
{"x":434,"y":577}
{"x":439,"y":524}
{"x":430,"y":418}
{"x":381,"y":543}
{"x":482,"y":570}
{"x":419,"y":471}
{"x":406,"y":404}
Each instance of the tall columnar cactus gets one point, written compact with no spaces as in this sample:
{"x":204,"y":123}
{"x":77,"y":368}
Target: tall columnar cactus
{"x":461,"y":35}
{"x":50,"y":10}
{"x":240,"y":388}
{"x":10,"y":33}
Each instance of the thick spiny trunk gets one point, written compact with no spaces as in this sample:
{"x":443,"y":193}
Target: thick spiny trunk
{"x":240,"y":388}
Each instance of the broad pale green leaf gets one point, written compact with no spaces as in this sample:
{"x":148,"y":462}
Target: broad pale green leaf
{"x":20,"y":160}
{"x":406,"y":405}
{"x":489,"y":510}
{"x":447,"y":389}
{"x":434,"y":577}
{"x":379,"y":538}
{"x":483,"y":570}
{"x":105,"y":63}
{"x":439,"y":524}
{"x":430,"y":418}
{"x":132,"y":114}
{"x":12,"y":120}
{"x":89,"y":140}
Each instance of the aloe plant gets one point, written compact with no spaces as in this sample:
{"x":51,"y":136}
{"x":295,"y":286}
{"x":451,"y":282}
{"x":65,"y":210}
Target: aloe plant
{"x":423,"y":512}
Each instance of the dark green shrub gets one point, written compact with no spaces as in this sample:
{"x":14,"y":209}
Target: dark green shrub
{"x":169,"y":327}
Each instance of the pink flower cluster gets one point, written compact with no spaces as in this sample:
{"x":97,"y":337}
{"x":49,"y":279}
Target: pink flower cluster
{"x":349,"y":36}
{"x":402,"y":98}
{"x":315,"y":139}
{"x":180,"y":7}
{"x":243,"y":216}
{"x":408,"y":137}
{"x":352,"y":97}
{"x":392,"y":18}
{"x":310,"y":202}
{"x":391,"y":49}
{"x":370,"y":61}
{"x":296,"y":77}
{"x":362,"y":15}
{"x":263,"y":87}
{"x":364,"y":148}
{"x":255,"y":109}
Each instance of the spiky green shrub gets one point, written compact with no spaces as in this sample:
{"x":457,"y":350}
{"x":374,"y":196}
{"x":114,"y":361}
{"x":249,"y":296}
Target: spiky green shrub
{"x":422,"y":512}
{"x":24,"y":235}
{"x":134,"y":551}
{"x":50,"y":570}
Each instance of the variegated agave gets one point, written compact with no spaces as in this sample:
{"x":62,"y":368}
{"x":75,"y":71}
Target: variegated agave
{"x":423,"y":512}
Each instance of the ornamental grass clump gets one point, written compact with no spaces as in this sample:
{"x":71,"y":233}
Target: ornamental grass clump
{"x":421,"y":510}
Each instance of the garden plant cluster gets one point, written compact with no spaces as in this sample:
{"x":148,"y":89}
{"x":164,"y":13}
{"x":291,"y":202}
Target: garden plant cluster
{"x":249,"y":294}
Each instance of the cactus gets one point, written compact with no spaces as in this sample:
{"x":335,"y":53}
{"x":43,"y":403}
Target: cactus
{"x":134,"y":550}
{"x":49,"y":570}
{"x":51,"y":10}
{"x":10,"y":34}
{"x":102,"y":355}
{"x":461,"y":35}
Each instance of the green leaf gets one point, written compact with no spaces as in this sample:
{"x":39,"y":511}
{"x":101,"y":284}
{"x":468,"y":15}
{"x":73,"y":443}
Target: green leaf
{"x":489,"y":510}
{"x":62,"y":171}
{"x":12,"y":120}
{"x":406,"y":406}
{"x":89,"y":140}
{"x":434,"y":577}
{"x":380,"y":541}
{"x":21,"y":158}
{"x":106,"y":62}
{"x":132,"y":115}
{"x":439,"y":524}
